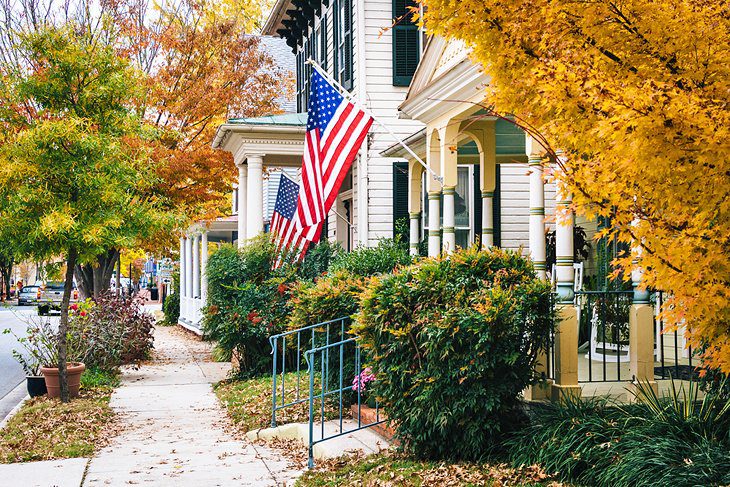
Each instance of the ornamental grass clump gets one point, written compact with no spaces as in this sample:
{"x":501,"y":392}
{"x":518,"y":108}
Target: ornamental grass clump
{"x":677,"y":439}
{"x":453,"y":341}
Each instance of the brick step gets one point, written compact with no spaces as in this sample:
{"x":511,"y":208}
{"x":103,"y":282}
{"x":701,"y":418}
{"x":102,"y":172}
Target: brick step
{"x":369,"y":416}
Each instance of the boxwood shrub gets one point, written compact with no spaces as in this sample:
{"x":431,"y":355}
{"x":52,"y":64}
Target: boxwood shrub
{"x":453,"y":341}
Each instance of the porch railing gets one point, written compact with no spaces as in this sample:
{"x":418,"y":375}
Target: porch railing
{"x":604,"y":334}
{"x":339,"y":397}
{"x":287,"y":349}
{"x":674,"y":359}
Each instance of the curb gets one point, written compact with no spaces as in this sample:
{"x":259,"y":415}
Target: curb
{"x":17,"y":407}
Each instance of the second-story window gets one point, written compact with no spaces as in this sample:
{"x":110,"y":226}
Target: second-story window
{"x":302,"y":82}
{"x":343,"y":43}
{"x":406,"y":49}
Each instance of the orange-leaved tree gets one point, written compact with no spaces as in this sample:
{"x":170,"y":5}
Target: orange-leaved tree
{"x":637,"y":94}
{"x":203,"y":67}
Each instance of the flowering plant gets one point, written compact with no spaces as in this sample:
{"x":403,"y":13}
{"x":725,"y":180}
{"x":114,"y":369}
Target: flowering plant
{"x":361,"y":380}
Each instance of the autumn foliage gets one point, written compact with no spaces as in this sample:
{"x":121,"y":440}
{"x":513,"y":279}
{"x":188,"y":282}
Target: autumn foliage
{"x":636,"y":94}
{"x":202,"y":66}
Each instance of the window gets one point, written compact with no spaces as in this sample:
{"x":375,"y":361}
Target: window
{"x":464,"y":205}
{"x":343,"y":43}
{"x":302,"y":82}
{"x":406,"y":49}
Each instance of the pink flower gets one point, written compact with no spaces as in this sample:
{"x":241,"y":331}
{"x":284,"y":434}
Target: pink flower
{"x":74,"y":306}
{"x":362,"y":379}
{"x":83,"y":313}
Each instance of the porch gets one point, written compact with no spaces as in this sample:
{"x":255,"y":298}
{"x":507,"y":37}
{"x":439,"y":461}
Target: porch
{"x":194,"y":251}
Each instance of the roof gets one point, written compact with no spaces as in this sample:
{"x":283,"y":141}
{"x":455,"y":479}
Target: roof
{"x":278,"y":11}
{"x":288,"y":119}
{"x":285,"y":64}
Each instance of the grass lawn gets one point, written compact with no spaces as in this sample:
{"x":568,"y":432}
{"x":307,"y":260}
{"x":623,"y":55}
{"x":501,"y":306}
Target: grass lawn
{"x":249,"y":401}
{"x":394,"y":469}
{"x":47,"y":429}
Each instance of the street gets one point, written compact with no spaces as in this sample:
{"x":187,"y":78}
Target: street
{"x":11,"y":373}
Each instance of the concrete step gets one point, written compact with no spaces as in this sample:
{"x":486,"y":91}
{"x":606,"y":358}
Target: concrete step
{"x":365,"y":440}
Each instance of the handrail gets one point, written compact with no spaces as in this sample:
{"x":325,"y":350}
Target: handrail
{"x":310,"y":359}
{"x":306,"y":337}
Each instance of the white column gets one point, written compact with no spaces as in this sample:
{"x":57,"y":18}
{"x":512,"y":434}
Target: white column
{"x":487,"y":219}
{"x":196,"y":266}
{"x":182,"y":268}
{"x":204,"y":267}
{"x":188,"y":268}
{"x":434,"y":223}
{"x":537,"y":215}
{"x":564,"y":241}
{"x":415,"y":231}
{"x":242,"y":197}
{"x":449,"y":237}
{"x":255,"y":214}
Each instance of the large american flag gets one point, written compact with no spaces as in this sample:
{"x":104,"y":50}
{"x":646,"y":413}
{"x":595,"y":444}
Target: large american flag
{"x":335,"y":131}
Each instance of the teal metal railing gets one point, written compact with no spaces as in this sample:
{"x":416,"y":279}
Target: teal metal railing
{"x":340,"y":396}
{"x":287,"y":349}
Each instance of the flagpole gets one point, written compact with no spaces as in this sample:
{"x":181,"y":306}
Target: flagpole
{"x":352,"y":100}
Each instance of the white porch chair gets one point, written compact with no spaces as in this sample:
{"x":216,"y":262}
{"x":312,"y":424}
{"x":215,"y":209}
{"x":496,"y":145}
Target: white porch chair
{"x":599,"y":350}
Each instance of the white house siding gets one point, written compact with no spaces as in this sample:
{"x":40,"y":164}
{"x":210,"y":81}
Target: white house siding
{"x":383,"y":100}
{"x":515,"y":206}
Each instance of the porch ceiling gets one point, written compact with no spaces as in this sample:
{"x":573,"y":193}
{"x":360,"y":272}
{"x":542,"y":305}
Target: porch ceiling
{"x":510,"y":145}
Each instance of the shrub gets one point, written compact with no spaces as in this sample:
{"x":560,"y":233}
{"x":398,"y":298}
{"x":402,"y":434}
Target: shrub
{"x":369,"y":261}
{"x":453,"y":342}
{"x":247,"y":302}
{"x":331,"y":297}
{"x":318,"y":259}
{"x":171,"y":308}
{"x":674,"y":440}
{"x":115,"y":329}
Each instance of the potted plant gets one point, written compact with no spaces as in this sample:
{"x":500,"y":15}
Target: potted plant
{"x":30,"y":360}
{"x":40,"y":344}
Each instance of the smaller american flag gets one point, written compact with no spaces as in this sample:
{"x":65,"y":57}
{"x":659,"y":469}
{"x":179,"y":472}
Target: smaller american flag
{"x":283,"y":229}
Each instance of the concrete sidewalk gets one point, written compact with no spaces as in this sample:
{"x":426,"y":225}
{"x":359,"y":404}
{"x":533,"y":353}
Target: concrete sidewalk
{"x":175,"y":431}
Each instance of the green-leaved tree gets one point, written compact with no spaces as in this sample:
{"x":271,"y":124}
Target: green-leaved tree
{"x":74,"y":169}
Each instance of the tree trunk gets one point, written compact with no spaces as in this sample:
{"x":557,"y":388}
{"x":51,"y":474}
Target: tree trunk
{"x":6,"y":269}
{"x":94,"y":280}
{"x":63,"y":325}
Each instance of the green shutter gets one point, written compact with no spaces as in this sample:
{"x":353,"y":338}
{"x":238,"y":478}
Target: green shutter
{"x":477,"y":203}
{"x":400,"y":194}
{"x":497,"y":207}
{"x":348,"y":46}
{"x":406,"y":52}
{"x":323,"y":42}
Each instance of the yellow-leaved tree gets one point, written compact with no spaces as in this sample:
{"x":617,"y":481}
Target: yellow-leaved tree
{"x":637,"y":95}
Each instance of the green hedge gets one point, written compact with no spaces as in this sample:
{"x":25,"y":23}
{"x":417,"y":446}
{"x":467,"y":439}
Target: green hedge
{"x":369,"y":261}
{"x":453,"y":342}
{"x":171,"y":307}
{"x":248,"y":301}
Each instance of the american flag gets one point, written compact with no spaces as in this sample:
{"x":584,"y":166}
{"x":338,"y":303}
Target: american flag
{"x":282,"y":220}
{"x":335,"y":131}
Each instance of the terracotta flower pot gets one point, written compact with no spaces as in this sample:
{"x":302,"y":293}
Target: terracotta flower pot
{"x":74,"y":371}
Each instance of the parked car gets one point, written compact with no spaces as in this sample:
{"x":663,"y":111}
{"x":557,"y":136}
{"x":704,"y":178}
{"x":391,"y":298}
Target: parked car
{"x":51,"y":295}
{"x":28,"y":295}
